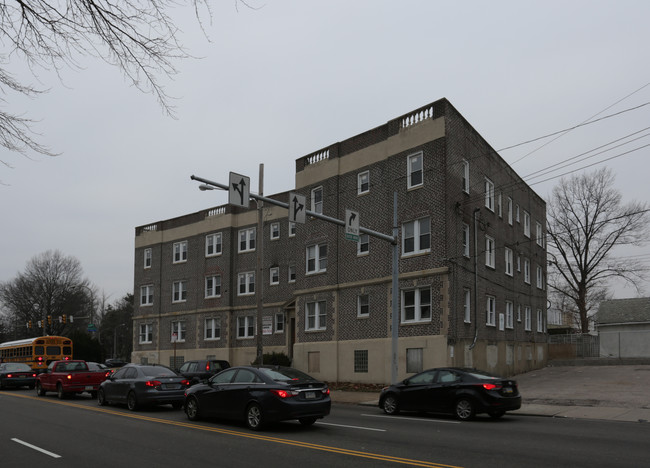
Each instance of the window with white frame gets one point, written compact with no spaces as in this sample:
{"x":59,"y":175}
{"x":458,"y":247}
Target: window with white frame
{"x":246,"y":326}
{"x":363,"y":305}
{"x":416,"y":237}
{"x":489,"y":194}
{"x":518,"y":312}
{"x":279,"y":323}
{"x":180,"y":252}
{"x":517,"y":213}
{"x":146,"y":333}
{"x":491,"y":311}
{"x":540,"y":277}
{"x":540,"y":321}
{"x":212,"y":328}
{"x":274,"y":275}
{"x":467,"y":306}
{"x":509,"y":261}
{"x":363,"y":246}
{"x":246,"y":283}
{"x":292,"y":229}
{"x":539,"y":234}
{"x":275,"y":231}
{"x":247,"y":240}
{"x":527,"y":318}
{"x":147,"y":258}
{"x":415,"y":170}
{"x":509,"y":208}
{"x":526,"y":271}
{"x":315,"y":316}
{"x":179,"y":291}
{"x":146,"y":295}
{"x":510,"y":311}
{"x":316,"y":258}
{"x":292,"y":274}
{"x":416,"y":305}
{"x":178,"y":331}
{"x":500,"y":205}
{"x":518,"y":263}
{"x":465,"y":176}
{"x":489,"y":251}
{"x":317,"y":200}
{"x":363,"y":182}
{"x":213,"y":244}
{"x":212,"y":286}
{"x":526,"y":224}
{"x":466,"y":240}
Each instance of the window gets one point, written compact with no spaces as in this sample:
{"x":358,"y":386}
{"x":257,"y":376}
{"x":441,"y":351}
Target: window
{"x":517,"y":213}
{"x":275,"y":231}
{"x":540,"y":321}
{"x":279,"y":323}
{"x":467,"y":309}
{"x":414,"y":360}
{"x":178,"y":331}
{"x":526,"y":271}
{"x":246,"y":326}
{"x":360,"y":360}
{"x":147,"y":258}
{"x":274,"y":275}
{"x":491,"y":311}
{"x":179,"y":293}
{"x":146,"y":333}
{"x":465,"y":176}
{"x":509,"y":314}
{"x":292,"y":229}
{"x":509,"y":208}
{"x":540,"y":277}
{"x":246,"y":282}
{"x":416,"y":305}
{"x":363,"y":246}
{"x":489,"y":251}
{"x":509,"y":264}
{"x":466,"y":240}
{"x":247,"y":240}
{"x":499,"y":206}
{"x":518,"y":263}
{"x":212,"y":330}
{"x":180,"y":252}
{"x":416,"y":237}
{"x":539,"y":234}
{"x":519,"y":313}
{"x":213,"y":286}
{"x":315,"y":317}
{"x":414,"y":169}
{"x":213,"y":244}
{"x":316,"y":258}
{"x":146,"y":295}
{"x":363,"y":307}
{"x":317,"y":200}
{"x":526,"y":224}
{"x":527,"y":318}
{"x":292,"y":273}
{"x":489,"y":194}
{"x":363,"y":182}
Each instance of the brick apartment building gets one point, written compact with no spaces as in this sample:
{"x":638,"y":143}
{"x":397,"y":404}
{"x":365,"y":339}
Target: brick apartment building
{"x":472,"y":263}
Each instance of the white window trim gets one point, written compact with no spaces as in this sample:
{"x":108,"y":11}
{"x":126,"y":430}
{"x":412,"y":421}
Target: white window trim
{"x":214,"y":286}
{"x":274,"y":233}
{"x":490,"y":311}
{"x":182,"y":291}
{"x":360,"y":176}
{"x":420,"y":156}
{"x":182,"y":252}
{"x":318,"y":326}
{"x":317,"y":207}
{"x":540,"y":277}
{"x":489,"y":194}
{"x":539,"y":234}
{"x":509,"y":261}
{"x":510,"y":310}
{"x":250,"y":240}
{"x":274,"y":271}
{"x":179,"y":327}
{"x":465,"y":176}
{"x":249,"y":279}
{"x":217,"y":241}
{"x":292,"y":229}
{"x":509,"y":208}
{"x":467,"y":306}
{"x":500,"y":205}
{"x":527,"y":318}
{"x":318,"y":259}
{"x":276,"y":329}
{"x":290,"y":269}
{"x":361,"y":253}
{"x":417,"y":316}
{"x":148,"y":258}
{"x":466,"y":240}
{"x":526,"y":271}
{"x":148,"y":333}
{"x":212,"y":327}
{"x":249,"y":322}
{"x":359,"y":313}
{"x":526,"y":224}
{"x":540,"y":321}
{"x":489,"y":251}
{"x":417,"y":229}
{"x":149,"y":294}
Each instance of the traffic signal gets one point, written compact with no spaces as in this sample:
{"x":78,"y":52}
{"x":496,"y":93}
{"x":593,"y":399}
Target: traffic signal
{"x":49,"y":320}
{"x":29,"y":324}
{"x":39,"y":324}
{"x":65,"y":318}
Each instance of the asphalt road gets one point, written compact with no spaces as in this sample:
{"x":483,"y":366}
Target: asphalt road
{"x":77,"y":433}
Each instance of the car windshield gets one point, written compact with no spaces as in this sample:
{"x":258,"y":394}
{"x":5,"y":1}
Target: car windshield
{"x":15,"y":367}
{"x":285,"y":374}
{"x":157,"y":371}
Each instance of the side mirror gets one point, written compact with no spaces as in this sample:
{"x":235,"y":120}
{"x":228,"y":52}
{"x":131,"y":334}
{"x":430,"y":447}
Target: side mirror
{"x":405,"y":381}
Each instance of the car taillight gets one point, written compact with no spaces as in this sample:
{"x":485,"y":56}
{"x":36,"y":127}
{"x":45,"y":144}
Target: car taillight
{"x":9,"y":376}
{"x":491,"y":386}
{"x":283,"y":393}
{"x":152,"y":383}
{"x":69,"y":376}
{"x":185,"y":382}
{"x":207,"y":366}
{"x":325,"y":391}
{"x":67,"y":358}
{"x":40,"y":359}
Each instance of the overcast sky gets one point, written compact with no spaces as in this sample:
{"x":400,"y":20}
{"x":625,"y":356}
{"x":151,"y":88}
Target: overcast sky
{"x":294,"y":76}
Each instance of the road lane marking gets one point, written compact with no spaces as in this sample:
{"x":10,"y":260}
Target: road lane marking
{"x":351,"y":427}
{"x":248,"y":435}
{"x":402,"y":418}
{"x":53,"y":455}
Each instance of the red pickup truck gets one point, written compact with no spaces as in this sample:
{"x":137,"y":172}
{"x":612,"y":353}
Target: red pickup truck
{"x":67,"y":378}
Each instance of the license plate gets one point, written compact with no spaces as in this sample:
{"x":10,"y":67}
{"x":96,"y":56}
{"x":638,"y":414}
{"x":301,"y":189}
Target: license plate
{"x":507,"y":390}
{"x":89,"y":387}
{"x":171,"y":386}
{"x":310,"y":395}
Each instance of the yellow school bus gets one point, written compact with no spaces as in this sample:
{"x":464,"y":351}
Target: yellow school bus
{"x":37,"y":352}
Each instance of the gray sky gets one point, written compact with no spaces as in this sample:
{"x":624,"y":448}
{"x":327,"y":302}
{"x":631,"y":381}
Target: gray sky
{"x":294,"y":76}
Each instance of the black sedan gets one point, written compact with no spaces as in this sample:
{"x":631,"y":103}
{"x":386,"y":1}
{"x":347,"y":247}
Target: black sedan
{"x":142,"y":385}
{"x":259,"y":395}
{"x":15,"y":374}
{"x":461,"y":392}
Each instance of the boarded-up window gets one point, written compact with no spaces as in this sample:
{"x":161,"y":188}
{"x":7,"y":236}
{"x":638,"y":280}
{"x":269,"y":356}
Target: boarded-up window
{"x":413,"y":360}
{"x":313,"y":361}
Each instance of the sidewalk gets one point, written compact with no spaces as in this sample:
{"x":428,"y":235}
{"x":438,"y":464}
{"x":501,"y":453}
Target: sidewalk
{"x":616,"y":393}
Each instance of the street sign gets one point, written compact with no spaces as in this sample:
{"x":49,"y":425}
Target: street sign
{"x":352,"y":225}
{"x":297,"y":208}
{"x":239,"y":190}
{"x":92,"y":327}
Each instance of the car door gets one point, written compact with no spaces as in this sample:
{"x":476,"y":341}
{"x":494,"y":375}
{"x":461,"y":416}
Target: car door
{"x":414,"y":395}
{"x":213,"y":395}
{"x":122,"y":384}
{"x":443,"y":392}
{"x":111,"y":384}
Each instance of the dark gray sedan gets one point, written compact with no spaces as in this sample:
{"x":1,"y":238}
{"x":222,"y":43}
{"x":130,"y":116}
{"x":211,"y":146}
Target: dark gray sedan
{"x":140,"y":385}
{"x":16,"y":374}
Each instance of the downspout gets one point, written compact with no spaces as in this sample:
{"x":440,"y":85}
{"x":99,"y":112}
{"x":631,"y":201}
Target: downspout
{"x":476,"y":211}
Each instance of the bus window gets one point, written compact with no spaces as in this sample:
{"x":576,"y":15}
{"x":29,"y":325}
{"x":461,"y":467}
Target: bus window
{"x":54,"y":350}
{"x":67,"y":350}
{"x":39,"y":350}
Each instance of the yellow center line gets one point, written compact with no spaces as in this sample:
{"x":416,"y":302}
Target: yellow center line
{"x":266,"y":438}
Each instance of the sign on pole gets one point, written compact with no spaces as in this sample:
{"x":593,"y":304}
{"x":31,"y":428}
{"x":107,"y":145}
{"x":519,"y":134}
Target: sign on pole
{"x":297,"y":208}
{"x":239,"y":190}
{"x":352,"y":225}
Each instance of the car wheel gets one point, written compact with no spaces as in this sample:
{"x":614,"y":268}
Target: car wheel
{"x":192,"y":409}
{"x":177,"y":405}
{"x":465,"y":410}
{"x":307,"y":421}
{"x":496,"y":414}
{"x":390,"y":405}
{"x":131,"y":402}
{"x":254,"y":417}
{"x":101,"y":398}
{"x":59,"y":391}
{"x":39,"y":389}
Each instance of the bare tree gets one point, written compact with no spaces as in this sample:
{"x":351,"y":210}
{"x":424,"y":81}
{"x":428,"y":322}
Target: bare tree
{"x":138,"y":36}
{"x":586,"y":221}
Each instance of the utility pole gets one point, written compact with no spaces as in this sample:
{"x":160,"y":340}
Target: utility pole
{"x":259,"y":280}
